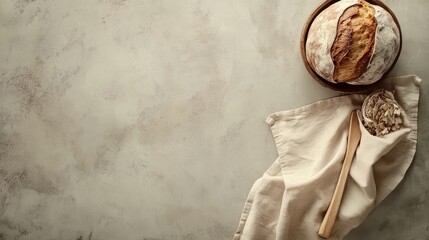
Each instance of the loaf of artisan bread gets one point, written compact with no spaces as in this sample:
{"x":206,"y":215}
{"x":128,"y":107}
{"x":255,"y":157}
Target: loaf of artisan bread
{"x":352,"y":42}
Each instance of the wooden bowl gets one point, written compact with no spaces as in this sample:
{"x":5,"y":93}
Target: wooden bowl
{"x":343,"y":87}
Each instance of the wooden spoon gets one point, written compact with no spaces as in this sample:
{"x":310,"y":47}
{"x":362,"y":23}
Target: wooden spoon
{"x":353,"y":140}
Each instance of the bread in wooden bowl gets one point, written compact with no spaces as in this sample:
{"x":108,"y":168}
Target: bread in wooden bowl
{"x":350,"y":44}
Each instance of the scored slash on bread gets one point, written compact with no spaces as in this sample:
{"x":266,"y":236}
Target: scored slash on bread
{"x":354,"y":43}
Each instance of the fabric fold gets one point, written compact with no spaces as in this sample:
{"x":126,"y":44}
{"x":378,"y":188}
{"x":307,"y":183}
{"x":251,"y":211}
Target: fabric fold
{"x":290,"y":199}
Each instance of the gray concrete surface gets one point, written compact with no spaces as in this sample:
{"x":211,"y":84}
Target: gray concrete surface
{"x":127,"y":119}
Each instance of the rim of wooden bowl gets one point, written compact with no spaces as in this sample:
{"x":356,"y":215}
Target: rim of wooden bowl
{"x":343,"y":87}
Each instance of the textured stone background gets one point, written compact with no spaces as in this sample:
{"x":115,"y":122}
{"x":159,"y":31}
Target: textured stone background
{"x":127,"y":119}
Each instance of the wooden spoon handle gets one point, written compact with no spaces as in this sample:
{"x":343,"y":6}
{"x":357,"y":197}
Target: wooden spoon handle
{"x":353,"y":140}
{"x":328,"y":222}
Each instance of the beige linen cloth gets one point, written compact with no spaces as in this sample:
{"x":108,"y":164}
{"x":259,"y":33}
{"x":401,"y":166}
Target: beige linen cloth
{"x":288,"y":202}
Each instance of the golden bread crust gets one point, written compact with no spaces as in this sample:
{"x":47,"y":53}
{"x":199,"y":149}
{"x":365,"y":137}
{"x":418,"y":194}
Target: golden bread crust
{"x":354,"y":44}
